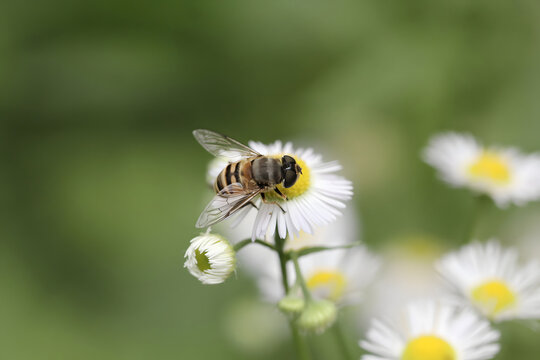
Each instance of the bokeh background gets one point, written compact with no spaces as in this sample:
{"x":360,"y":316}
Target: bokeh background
{"x":102,"y":182}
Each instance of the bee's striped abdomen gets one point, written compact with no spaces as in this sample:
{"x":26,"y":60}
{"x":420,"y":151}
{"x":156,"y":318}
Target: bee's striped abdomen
{"x":233,"y":173}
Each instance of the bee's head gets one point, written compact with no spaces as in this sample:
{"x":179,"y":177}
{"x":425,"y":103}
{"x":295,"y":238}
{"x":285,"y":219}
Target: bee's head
{"x":290,"y":170}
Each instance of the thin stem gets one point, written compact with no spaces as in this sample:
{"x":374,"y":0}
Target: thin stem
{"x":299,"y":277}
{"x":245,"y":242}
{"x":315,"y":249}
{"x":302,"y":349}
{"x":342,"y":343}
{"x":264,"y":243}
{"x":480,"y":204}
{"x":279,"y":244}
{"x":300,"y":344}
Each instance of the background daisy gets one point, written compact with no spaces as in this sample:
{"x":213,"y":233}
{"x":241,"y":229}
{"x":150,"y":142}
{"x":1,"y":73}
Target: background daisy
{"x":490,"y":278}
{"x":505,"y":174}
{"x":430,"y":330}
{"x":262,"y":263}
{"x":339,"y":275}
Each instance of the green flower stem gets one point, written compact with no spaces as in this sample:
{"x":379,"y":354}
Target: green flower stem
{"x":279,"y":244}
{"x":245,"y":242}
{"x":342,"y":343}
{"x":480,"y":205}
{"x":300,"y":278}
{"x":315,"y":249}
{"x":302,"y":349}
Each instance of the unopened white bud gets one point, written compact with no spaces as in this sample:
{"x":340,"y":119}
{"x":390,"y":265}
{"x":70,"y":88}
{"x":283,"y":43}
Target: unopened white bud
{"x":210,"y":258}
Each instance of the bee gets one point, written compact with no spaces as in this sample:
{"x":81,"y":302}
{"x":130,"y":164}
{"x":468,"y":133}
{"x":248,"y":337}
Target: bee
{"x":247,"y":175}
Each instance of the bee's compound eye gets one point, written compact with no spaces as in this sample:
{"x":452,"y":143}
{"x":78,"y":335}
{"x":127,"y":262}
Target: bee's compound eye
{"x":290,"y":178}
{"x":288,"y":160}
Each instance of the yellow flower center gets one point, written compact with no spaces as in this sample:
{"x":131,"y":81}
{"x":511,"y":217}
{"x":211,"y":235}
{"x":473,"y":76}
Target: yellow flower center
{"x":300,"y":186}
{"x":203,"y":263}
{"x":490,"y":166}
{"x":493,"y":296}
{"x":428,"y":347}
{"x":330,"y":281}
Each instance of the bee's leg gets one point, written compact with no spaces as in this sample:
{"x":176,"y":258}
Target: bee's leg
{"x":263,"y":197}
{"x":253,"y":204}
{"x":280,"y":194}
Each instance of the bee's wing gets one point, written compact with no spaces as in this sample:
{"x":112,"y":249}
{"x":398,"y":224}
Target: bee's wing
{"x":223,"y":146}
{"x":225,"y":203}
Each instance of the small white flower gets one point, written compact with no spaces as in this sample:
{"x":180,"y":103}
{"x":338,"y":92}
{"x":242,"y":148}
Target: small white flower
{"x":490,"y":278}
{"x":263,"y":264}
{"x":313,"y":201}
{"x":430,"y":330}
{"x":505,"y":174}
{"x":339,"y":275}
{"x":210,"y":258}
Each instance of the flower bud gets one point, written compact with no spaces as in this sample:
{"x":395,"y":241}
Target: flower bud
{"x":210,"y":258}
{"x":291,"y":304}
{"x":317,"y":316}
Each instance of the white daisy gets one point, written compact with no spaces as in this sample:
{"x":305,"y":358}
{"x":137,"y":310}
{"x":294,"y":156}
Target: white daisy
{"x":263,"y":264}
{"x":490,"y":278}
{"x":505,"y":174}
{"x":210,"y":258}
{"x":339,"y":275}
{"x":312,"y":201}
{"x":430,"y":330}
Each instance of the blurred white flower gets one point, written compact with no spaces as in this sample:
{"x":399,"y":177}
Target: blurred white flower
{"x":210,"y":258}
{"x":490,"y":278}
{"x":339,"y":275}
{"x":505,"y":174}
{"x":407,"y":274}
{"x":263,"y":264}
{"x":430,"y":330}
{"x":313,"y":201}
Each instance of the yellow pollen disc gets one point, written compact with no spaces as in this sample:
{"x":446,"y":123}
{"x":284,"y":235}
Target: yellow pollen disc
{"x":493,"y":296}
{"x":428,"y":347}
{"x":490,"y":166}
{"x":332,"y":281}
{"x":300,"y":187}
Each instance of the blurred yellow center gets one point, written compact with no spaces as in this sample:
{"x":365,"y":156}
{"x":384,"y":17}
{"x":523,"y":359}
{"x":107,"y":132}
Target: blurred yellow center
{"x":493,"y":296}
{"x":428,"y":347}
{"x":300,"y":186}
{"x":333,"y":281}
{"x":490,"y":166}
{"x":203,"y":263}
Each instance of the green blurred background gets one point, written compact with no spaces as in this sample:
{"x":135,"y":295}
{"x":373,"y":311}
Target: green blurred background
{"x":102,"y":182}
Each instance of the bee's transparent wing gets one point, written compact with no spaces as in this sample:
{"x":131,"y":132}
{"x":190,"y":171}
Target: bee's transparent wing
{"x":223,"y":146}
{"x":225,"y":203}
